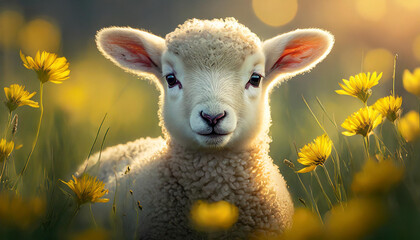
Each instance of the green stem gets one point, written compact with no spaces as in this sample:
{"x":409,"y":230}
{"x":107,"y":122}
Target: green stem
{"x":383,"y":144}
{"x":93,"y":217}
{"x":366,"y":144}
{"x":337,"y":196}
{"x":9,"y":120}
{"x":337,"y":160}
{"x":41,"y":107}
{"x":94,"y":141}
{"x":74,"y":215}
{"x":2,"y":170}
{"x":393,"y":75}
{"x":337,"y":171}
{"x":306,"y":191}
{"x":323,"y":191}
{"x":316,"y":206}
{"x":301,"y":182}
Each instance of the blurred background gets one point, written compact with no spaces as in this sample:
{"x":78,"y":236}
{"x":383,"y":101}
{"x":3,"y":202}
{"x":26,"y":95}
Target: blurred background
{"x":368,"y":34}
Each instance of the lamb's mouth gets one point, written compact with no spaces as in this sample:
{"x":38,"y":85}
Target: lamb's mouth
{"x":214,"y":134}
{"x":213,"y":139}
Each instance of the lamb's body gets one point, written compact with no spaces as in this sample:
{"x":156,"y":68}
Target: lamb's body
{"x":168,"y":179}
{"x":215,"y":117}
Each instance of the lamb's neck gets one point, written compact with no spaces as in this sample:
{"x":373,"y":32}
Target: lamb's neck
{"x":220,"y":174}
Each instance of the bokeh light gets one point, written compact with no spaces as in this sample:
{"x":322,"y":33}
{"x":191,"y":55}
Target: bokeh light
{"x":94,"y":90}
{"x":373,"y":10}
{"x":275,"y":13}
{"x":10,"y":23}
{"x":379,"y":60}
{"x":416,"y":47}
{"x":409,"y":4}
{"x":351,"y":60}
{"x":39,"y":34}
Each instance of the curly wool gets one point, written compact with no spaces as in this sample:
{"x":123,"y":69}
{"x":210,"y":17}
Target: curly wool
{"x":167,"y":179}
{"x":212,"y":42}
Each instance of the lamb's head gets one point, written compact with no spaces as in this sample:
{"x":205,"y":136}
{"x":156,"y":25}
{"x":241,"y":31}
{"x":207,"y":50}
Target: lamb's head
{"x":215,"y":76}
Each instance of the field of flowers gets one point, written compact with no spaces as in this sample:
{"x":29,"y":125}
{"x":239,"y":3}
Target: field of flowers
{"x":348,"y":145}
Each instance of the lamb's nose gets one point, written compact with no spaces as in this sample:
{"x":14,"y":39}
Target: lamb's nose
{"x":212,"y":119}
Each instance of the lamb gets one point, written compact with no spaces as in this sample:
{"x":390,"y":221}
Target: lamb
{"x":215,"y":78}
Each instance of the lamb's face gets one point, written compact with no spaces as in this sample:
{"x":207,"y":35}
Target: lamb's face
{"x":213,"y":106}
{"x":215,"y":76}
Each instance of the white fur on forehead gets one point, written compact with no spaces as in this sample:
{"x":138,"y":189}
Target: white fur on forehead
{"x":210,"y":41}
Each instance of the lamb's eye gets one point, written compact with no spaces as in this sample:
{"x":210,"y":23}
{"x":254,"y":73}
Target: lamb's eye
{"x":254,"y":80}
{"x":172,"y":81}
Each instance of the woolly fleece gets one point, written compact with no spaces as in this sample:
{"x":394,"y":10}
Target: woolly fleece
{"x":167,"y":179}
{"x":212,"y":42}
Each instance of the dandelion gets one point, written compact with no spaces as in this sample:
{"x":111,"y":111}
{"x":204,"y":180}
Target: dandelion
{"x":18,"y":213}
{"x":6,"y":149}
{"x":411,"y":81}
{"x":315,"y":153}
{"x":362,"y":122}
{"x":377,"y":177}
{"x":409,"y":126}
{"x":358,"y":218}
{"x":306,"y":225}
{"x":88,"y":189}
{"x":17,"y":96}
{"x":47,"y":66}
{"x":390,"y":107}
{"x":213,"y":216}
{"x":359,"y":86}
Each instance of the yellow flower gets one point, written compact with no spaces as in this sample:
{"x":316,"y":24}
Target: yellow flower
{"x":213,"y":216}
{"x":17,"y":96}
{"x":411,"y":81}
{"x":47,"y":66}
{"x":6,"y":149}
{"x":360,"y":85}
{"x":377,"y":177}
{"x":362,"y":122}
{"x":19,"y":213}
{"x":315,"y":153}
{"x":390,"y":107}
{"x":409,"y":126}
{"x":306,"y":225}
{"x":88,"y":189}
{"x":356,"y":220}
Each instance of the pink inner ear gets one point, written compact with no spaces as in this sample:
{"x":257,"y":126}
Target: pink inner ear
{"x":296,"y":52}
{"x":136,"y":53}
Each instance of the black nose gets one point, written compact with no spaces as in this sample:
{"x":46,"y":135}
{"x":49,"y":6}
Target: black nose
{"x":212,"y":119}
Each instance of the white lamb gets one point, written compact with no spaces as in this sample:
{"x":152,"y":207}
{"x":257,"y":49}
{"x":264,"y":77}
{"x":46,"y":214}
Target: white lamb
{"x":215,"y":78}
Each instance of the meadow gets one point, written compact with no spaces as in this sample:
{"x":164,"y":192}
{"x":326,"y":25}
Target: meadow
{"x":345,"y":136}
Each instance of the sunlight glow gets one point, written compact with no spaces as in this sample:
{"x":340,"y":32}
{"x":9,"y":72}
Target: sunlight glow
{"x":379,"y":60}
{"x":275,"y":13}
{"x":408,"y":4}
{"x":373,"y":10}
{"x":10,"y":22}
{"x":416,"y":47}
{"x":40,"y":34}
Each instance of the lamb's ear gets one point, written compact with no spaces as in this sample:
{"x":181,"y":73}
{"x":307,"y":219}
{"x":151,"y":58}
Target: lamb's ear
{"x":295,"y":52}
{"x":131,"y":49}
